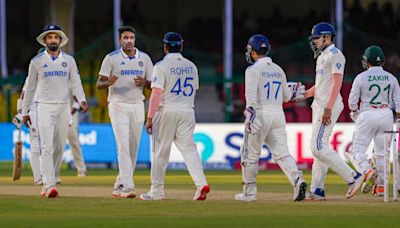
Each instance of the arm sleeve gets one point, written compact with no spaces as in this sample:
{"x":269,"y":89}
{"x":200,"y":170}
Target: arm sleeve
{"x":106,"y":69}
{"x":354,"y":96}
{"x":155,"y":99}
{"x":287,"y":94}
{"x":338,"y":62}
{"x":149,"y":69}
{"x":30,"y":88}
{"x":76,"y":84}
{"x":158,"y":78}
{"x":396,"y":95}
{"x":251,"y":87}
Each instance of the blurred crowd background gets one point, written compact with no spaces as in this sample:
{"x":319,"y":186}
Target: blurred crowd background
{"x":287,"y":24}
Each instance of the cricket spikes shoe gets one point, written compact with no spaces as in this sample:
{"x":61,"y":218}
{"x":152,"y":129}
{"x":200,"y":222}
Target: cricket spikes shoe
{"x":378,"y":190}
{"x":244,"y":197}
{"x":127,"y":192}
{"x":355,"y":185}
{"x":150,"y":196}
{"x":117,"y":190}
{"x":369,"y":179}
{"x":299,"y":190}
{"x":49,"y":192}
{"x":318,"y":195}
{"x":201,"y":193}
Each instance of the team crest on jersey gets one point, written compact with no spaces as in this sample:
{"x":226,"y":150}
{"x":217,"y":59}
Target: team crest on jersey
{"x":141,"y":64}
{"x":64,"y":64}
{"x":338,"y":65}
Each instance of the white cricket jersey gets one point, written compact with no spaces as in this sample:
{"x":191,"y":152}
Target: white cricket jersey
{"x":375,"y":88}
{"x":49,"y":80}
{"x":179,"y":79}
{"x":329,"y":62}
{"x":126,"y":68}
{"x":266,"y":85}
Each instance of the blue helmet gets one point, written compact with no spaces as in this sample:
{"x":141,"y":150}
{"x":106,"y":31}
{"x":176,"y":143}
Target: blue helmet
{"x":173,"y":39}
{"x":320,"y":29}
{"x":256,"y":42}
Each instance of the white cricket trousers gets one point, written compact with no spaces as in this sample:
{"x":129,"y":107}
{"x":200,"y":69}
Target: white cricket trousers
{"x":35,"y":146}
{"x":53,"y":129}
{"x":324,"y":156}
{"x":127,"y":122}
{"x":174,"y":125}
{"x":73,"y":139}
{"x":370,"y":124}
{"x":273,"y":134}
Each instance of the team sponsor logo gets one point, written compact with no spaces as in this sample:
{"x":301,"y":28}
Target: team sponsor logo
{"x":141,"y":63}
{"x":64,"y":64}
{"x":132,"y":72}
{"x":55,"y":73}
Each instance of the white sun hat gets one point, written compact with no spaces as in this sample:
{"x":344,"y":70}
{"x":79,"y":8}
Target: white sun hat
{"x":52,"y":28}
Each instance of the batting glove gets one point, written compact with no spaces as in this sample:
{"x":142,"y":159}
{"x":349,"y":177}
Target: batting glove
{"x":252,"y":124}
{"x":354,"y":114}
{"x":17,"y":120}
{"x":298,"y":90}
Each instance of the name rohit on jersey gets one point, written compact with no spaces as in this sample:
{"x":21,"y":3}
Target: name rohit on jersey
{"x":372,"y":78}
{"x":271,"y":74}
{"x":181,"y":70}
{"x":132,"y":72}
{"x":55,"y":73}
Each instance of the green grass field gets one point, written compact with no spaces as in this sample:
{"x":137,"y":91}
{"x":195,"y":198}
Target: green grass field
{"x":87,"y":202}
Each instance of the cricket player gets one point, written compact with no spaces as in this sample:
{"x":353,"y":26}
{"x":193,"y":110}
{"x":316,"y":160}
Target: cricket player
{"x":125,"y":72}
{"x":376,"y":90}
{"x":73,"y":138}
{"x":33,"y":136}
{"x":326,"y":108}
{"x":50,"y":75}
{"x":171,"y":118}
{"x":266,"y":90}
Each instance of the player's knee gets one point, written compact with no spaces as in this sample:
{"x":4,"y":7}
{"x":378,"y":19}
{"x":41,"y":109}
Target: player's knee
{"x":316,"y":149}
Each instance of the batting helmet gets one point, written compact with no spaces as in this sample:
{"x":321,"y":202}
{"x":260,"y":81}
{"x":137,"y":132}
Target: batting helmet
{"x":374,"y":56}
{"x":173,"y":39}
{"x":258,"y":43}
{"x":320,"y":29}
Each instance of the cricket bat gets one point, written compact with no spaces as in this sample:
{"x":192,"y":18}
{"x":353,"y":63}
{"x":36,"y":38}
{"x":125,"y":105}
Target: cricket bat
{"x":17,"y":168}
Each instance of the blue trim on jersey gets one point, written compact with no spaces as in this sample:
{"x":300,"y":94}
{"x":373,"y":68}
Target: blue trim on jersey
{"x":114,"y":52}
{"x":334,"y":50}
{"x":319,"y":137}
{"x":38,"y":55}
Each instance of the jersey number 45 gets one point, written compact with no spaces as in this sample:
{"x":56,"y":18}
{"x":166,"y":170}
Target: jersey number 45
{"x":187,"y":86}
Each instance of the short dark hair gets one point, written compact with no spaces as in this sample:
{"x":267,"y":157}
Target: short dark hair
{"x":126,"y":29}
{"x":173,"y":49}
{"x":262,"y":51}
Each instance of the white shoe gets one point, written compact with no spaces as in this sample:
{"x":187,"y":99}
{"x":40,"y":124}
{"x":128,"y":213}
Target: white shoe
{"x":318,"y":195}
{"x":150,"y":196}
{"x":243,"y":197}
{"x":81,"y":174}
{"x":127,"y":192}
{"x":300,"y":190}
{"x":353,"y":187}
{"x":39,"y":182}
{"x":58,"y":180}
{"x":201,"y":193}
{"x":369,"y":180}
{"x":117,"y":190}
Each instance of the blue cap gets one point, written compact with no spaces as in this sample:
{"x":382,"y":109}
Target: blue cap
{"x":322,"y":28}
{"x":257,"y":42}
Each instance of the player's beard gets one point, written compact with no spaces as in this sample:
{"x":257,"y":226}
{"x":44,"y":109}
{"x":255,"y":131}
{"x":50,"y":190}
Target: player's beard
{"x":52,"y":47}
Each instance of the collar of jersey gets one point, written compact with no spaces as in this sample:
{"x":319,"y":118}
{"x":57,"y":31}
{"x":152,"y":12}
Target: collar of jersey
{"x":60,"y":55}
{"x":375,"y":68}
{"x":173,"y":55}
{"x":326,"y":50}
{"x":126,"y":56}
{"x":264,"y":59}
